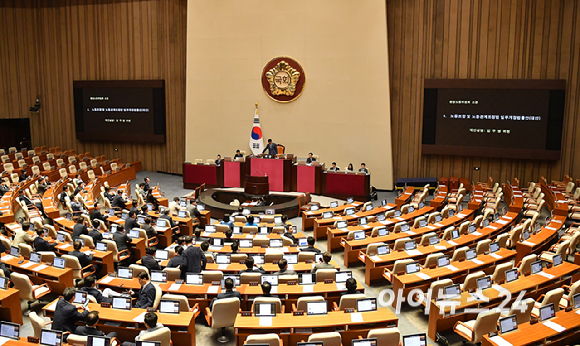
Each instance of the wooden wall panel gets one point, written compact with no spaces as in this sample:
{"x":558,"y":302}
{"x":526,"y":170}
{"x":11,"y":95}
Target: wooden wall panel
{"x":46,"y":45}
{"x":480,"y":39}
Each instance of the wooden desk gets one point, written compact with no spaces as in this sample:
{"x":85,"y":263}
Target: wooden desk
{"x":182,"y":325}
{"x":50,"y":199}
{"x":185,"y":226}
{"x":439,"y":198}
{"x":57,"y":279}
{"x":345,"y":185}
{"x":10,"y":306}
{"x":405,"y":197}
{"x":120,"y":177}
{"x":542,"y":240}
{"x":256,"y":185}
{"x":307,"y":178}
{"x":476,"y":197}
{"x":440,"y":317}
{"x":104,"y":258}
{"x":279,"y":171}
{"x":195,"y":175}
{"x":9,"y":204}
{"x":514,"y":198}
{"x":293,"y":329}
{"x":159,"y":196}
{"x":308,"y":217}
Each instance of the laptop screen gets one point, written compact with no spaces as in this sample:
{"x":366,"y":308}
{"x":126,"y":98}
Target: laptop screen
{"x":265,"y":309}
{"x":134,"y":234}
{"x":485,"y":222}
{"x":442,"y":261}
{"x":169,"y":306}
{"x":124,"y":215}
{"x":246,"y":243}
{"x":423,"y":223}
{"x":410,"y":245}
{"x":470,"y":254}
{"x":306,"y":278}
{"x":433,"y":240}
{"x":182,"y":214}
{"x":259,"y":259}
{"x":483,"y":283}
{"x":450,"y":213}
{"x":547,"y":312}
{"x":3,"y":282}
{"x":455,"y":234}
{"x":121,"y":303}
{"x":438,"y":218}
{"x":349,"y":200}
{"x":397,"y":213}
{"x":80,"y":298}
{"x":415,"y":340}
{"x":369,"y":207}
{"x":381,"y":217}
{"x":237,"y":230}
{"x":333,"y":204}
{"x":383,"y":202}
{"x":15,"y":251}
{"x":161,"y":254}
{"x":161,"y":223}
{"x":276,"y":242}
{"x":494,"y":247}
{"x":246,"y":211}
{"x":158,"y":276}
{"x":511,"y":275}
{"x":200,"y":207}
{"x":140,"y":219}
{"x":364,"y":342}
{"x":10,"y":330}
{"x":269,"y":211}
{"x":124,"y":273}
{"x":222,"y":259}
{"x":193,"y":279}
{"x":310,"y":343}
{"x":362,"y":221}
{"x":536,"y":267}
{"x":349,"y":211}
{"x":272,"y":279}
{"x":148,"y":343}
{"x":508,"y":324}
{"x":366,"y":304}
{"x":302,"y":242}
{"x":210,"y":228}
{"x":60,"y":237}
{"x":50,"y":337}
{"x":576,"y":301}
{"x":278,"y":220}
{"x":327,"y":215}
{"x":358,"y":235}
{"x":557,"y":260}
{"x":314,"y":207}
{"x":382,"y":250}
{"x":316,"y":308}
{"x":101,"y":246}
{"x":291,"y":258}
{"x":264,"y":230}
{"x":343,"y":276}
{"x":411,"y":268}
{"x":342,"y":224}
{"x":383,"y":231}
{"x":35,"y":257}
{"x":452,"y":291}
{"x":404,"y":227}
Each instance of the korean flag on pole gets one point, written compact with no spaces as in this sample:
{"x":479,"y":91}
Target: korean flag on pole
{"x":256,"y":138}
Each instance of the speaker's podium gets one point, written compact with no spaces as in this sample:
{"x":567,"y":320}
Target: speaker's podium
{"x":256,"y":185}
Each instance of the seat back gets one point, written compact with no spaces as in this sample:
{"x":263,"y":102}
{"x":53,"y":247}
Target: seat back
{"x":172,"y":273}
{"x":212,"y":275}
{"x":417,"y":222}
{"x":306,"y":256}
{"x":522,"y":310}
{"x":447,"y":233}
{"x":499,"y":272}
{"x":46,"y":166}
{"x":224,"y":312}
{"x":324,"y":274}
{"x":400,"y":244}
{"x":386,"y":336}
{"x":437,"y":287}
{"x":277,"y":301}
{"x":502,"y":240}
{"x":38,"y":323}
{"x":236,"y":258}
{"x":431,"y":259}
{"x":88,"y":240}
{"x":138,"y":269}
{"x":158,"y":295}
{"x":425,"y":238}
{"x":470,"y":282}
{"x":74,"y":339}
{"x":270,"y":257}
{"x":23,"y":285}
{"x":183,"y":302}
{"x":526,"y":264}
{"x":302,"y":301}
{"x":250,"y":229}
{"x":483,"y":246}
{"x":240,"y":218}
{"x":464,"y":227}
{"x":328,"y":339}
{"x":73,"y":263}
{"x":459,"y":254}
{"x":478,"y":220}
{"x":553,"y":296}
{"x":162,"y":335}
{"x":25,"y":249}
{"x":284,"y":279}
{"x":246,"y":278}
{"x":222,"y":228}
{"x":47,"y":256}
{"x":372,"y":248}
{"x":270,"y":339}
{"x":400,"y":265}
{"x":485,"y":323}
{"x":112,"y":246}
{"x":348,"y":301}
{"x":260,"y":240}
{"x":562,"y":248}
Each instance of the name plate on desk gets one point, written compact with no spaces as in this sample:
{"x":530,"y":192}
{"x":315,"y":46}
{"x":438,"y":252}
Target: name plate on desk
{"x":105,"y":305}
{"x":253,"y":283}
{"x":179,"y":282}
{"x":216,"y":283}
{"x":298,"y":313}
{"x":290,"y":283}
{"x":33,"y":340}
{"x":151,"y":310}
{"x":328,"y":281}
{"x":348,"y":310}
{"x":246,"y":313}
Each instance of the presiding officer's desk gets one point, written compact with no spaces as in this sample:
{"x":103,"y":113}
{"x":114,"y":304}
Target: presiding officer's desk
{"x":308,"y":216}
{"x":443,"y":314}
{"x":128,"y":323}
{"x":10,"y":309}
{"x":203,"y":294}
{"x":56,"y":279}
{"x":293,"y":329}
{"x":540,"y":333}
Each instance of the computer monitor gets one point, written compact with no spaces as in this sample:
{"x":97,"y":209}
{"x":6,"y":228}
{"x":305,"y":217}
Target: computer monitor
{"x":511,"y":275}
{"x":158,"y":276}
{"x":307,"y":278}
{"x":557,"y":260}
{"x":193,"y":279}
{"x":161,"y":222}
{"x":182,"y":214}
{"x":80,"y":297}
{"x":349,"y":200}
{"x":68,"y":216}
{"x":246,"y":243}
{"x":470,"y":254}
{"x":349,"y":211}
{"x":210,"y":228}
{"x":35,"y":257}
{"x":547,"y":312}
{"x":259,"y":259}
{"x":121,"y":303}
{"x":459,"y":208}
{"x":383,"y":231}
{"x":124,"y":273}
{"x":10,"y":330}
{"x":494,"y":247}
{"x":443,"y":261}
{"x":404,"y":227}
{"x":134,"y":234}
{"x":148,"y":343}
{"x":317,"y":257}
{"x":485,"y":222}
{"x":15,"y":251}
{"x":60,"y":237}
{"x":364,"y":342}
{"x":472,"y":228}
{"x":270,"y":211}
{"x":334,"y":204}
{"x":4,"y":283}
{"x":272,"y":279}
{"x":316,"y":308}
{"x":536,"y":267}
{"x":265,"y":309}
{"x":124,"y":215}
{"x":237,"y":230}
{"x":200,"y":207}
{"x":526,"y":235}
{"x":161,"y":255}
{"x":358,"y":235}
{"x":292,"y":258}
{"x":223,"y":259}
{"x":183,"y":203}
{"x":369,"y":207}
{"x":366,"y":304}
{"x":59,"y":263}
{"x":342,"y":224}
{"x":219,"y":242}
{"x":100,"y":246}
{"x":434,"y":240}
{"x":508,"y":324}
{"x":438,"y":218}
{"x":415,"y":340}
{"x":141,"y":219}
{"x":168,"y":306}
{"x":278,"y":220}
{"x":246,"y":211}
{"x":410,"y":245}
{"x":314,"y":207}
{"x":342,"y":276}
{"x":455,"y":234}
{"x":49,"y":337}
{"x":383,"y":250}
{"x":276,"y":243}
{"x":115,"y":226}
{"x":411,"y":268}
{"x":384,"y":203}
{"x":576,"y":301}
{"x":149,"y":206}
{"x":411,"y":209}
{"x":263,"y":230}
{"x":423,"y":223}
{"x":362,"y":221}
{"x":452,"y":291}
{"x":327,"y":215}
{"x":451,"y":213}
{"x":381,"y":217}
{"x":162,"y":209}
{"x":309,"y":343}
{"x":302,"y":242}
{"x":397,"y":213}
{"x":484,"y":283}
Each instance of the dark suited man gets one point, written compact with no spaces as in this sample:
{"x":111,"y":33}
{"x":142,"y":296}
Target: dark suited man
{"x":66,"y":314}
{"x":146,"y":186}
{"x":96,"y":213}
{"x":166,"y":216}
{"x":310,"y":158}
{"x":150,"y":230}
{"x":83,"y":258}
{"x":194,"y":260}
{"x":145,"y":296}
{"x":311,"y":248}
{"x":63,"y":194}
{"x":94,"y":232}
{"x":87,"y":285}
{"x":149,"y":259}
{"x":229,"y":293}
{"x":122,"y":240}
{"x":3,"y":187}
{"x":79,"y":228}
{"x":177,"y":260}
{"x":42,"y":186}
{"x":91,"y":327}
{"x":150,"y":199}
{"x":28,"y":202}
{"x":40,"y":244}
{"x":119,"y":201}
{"x":271,"y":147}
{"x":130,"y":221}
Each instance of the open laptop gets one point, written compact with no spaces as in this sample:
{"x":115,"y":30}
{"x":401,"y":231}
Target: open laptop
{"x":35,"y":257}
{"x":307,"y":278}
{"x":182,"y":214}
{"x":4,"y":282}
{"x":265,"y":309}
{"x":161,"y":222}
{"x":576,"y":301}
{"x":270,"y":211}
{"x":381,"y":217}
{"x":193,"y":279}
{"x":124,"y":273}
{"x":364,"y":342}
{"x":272,"y":279}
{"x":415,"y":340}
{"x":508,"y":324}
{"x":49,"y":337}
{"x":334,"y":204}
{"x":263,"y":230}
{"x":404,"y":227}
{"x":341,"y":277}
{"x":141,"y":219}
{"x":148,"y":343}
{"x":397,"y":213}
{"x":234,"y":277}
{"x":276,"y":243}
{"x":223,"y":259}
{"x":471,"y":228}
{"x":341,"y":224}
{"x":350,"y":200}
{"x":161,"y":255}
{"x":411,"y":209}
{"x":210,"y":228}
{"x":15,"y":251}
{"x":470,"y":254}
{"x":93,"y":340}
{"x":121,"y":303}
{"x":246,"y":212}
{"x":359,"y":235}
{"x":410,"y":245}
{"x":443,"y":261}
{"x":259,"y":259}
{"x":383,"y":250}
{"x":411,"y":268}
{"x":237,"y":230}
{"x":10,"y":330}
{"x":484,"y":283}
{"x":60,"y":237}
{"x":455,"y":234}
{"x":434,"y":240}
{"x":366,"y":304}
{"x":158,"y":276}
{"x":327,"y":215}
{"x":291,"y":258}
{"x":134,"y":234}
{"x":423,"y":223}
{"x":452,"y":291}
{"x":246,"y":243}
{"x":350,"y":211}
{"x":200,"y":207}
{"x":494,"y":247}
{"x":511,"y":275}
{"x":362,"y":221}
{"x":218,"y":242}
{"x":536,"y":267}
{"x":80,"y":297}
{"x":316,"y":308}
{"x":314,"y":207}
{"x":557,"y":260}
{"x":451,"y":213}
{"x":547,"y":312}
{"x":168,"y":306}
{"x":100,"y":246}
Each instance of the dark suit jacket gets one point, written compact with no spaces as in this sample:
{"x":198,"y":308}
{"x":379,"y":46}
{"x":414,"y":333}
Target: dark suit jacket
{"x":150,"y":262}
{"x":254,"y":270}
{"x":175,"y":262}
{"x":96,"y":214}
{"x":145,"y":297}
{"x":79,"y":229}
{"x":122,"y":240}
{"x":66,"y":315}
{"x":109,"y":196}
{"x":86,"y":331}
{"x":167,"y":217}
{"x":3,"y":190}
{"x":271,"y":148}
{"x":96,"y":235}
{"x":310,"y":160}
{"x":226,"y":294}
{"x":97,"y":294}
{"x":311,"y":249}
{"x":84,"y":260}
{"x":119,"y":202}
{"x":130,"y":223}
{"x":151,"y":232}
{"x":42,"y":245}
{"x":42,"y":188}
{"x":193,"y":261}
{"x":62,"y":196}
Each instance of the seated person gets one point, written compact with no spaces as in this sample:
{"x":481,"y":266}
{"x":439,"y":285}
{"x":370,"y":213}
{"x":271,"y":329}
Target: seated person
{"x":40,"y":244}
{"x":204,"y":247}
{"x":144,"y":210}
{"x":91,"y":327}
{"x":166,"y":216}
{"x":150,"y":320}
{"x":237,"y":213}
{"x":238,"y":154}
{"x":146,"y":296}
{"x":218,"y":160}
{"x":192,"y":209}
{"x":76,"y":206}
{"x":350,"y":168}
{"x":21,"y":236}
{"x":149,"y":260}
{"x":130,"y":221}
{"x":252,"y":267}
{"x":3,"y":187}
{"x":118,"y":201}
{"x":96,"y":213}
{"x":250,"y":222}
{"x":43,"y":185}
{"x":310,"y":158}
{"x":324,"y":263}
{"x":198,"y":237}
{"x":227,"y":221}
{"x":106,"y":296}
{"x":84,"y":259}
{"x":151,"y":199}
{"x":229,"y":293}
{"x":64,"y":194}
{"x":94,"y":232}
{"x":334,"y":167}
{"x":288,"y":233}
{"x":174,"y":206}
{"x":283,"y":265}
{"x":350,"y":286}
{"x":363,"y":168}
{"x":177,"y":260}
{"x":311,"y":247}
{"x":229,"y":240}
{"x":66,"y":314}
{"x":107,"y":194}
{"x":235,"y":247}
{"x":79,"y":228}
{"x":266,"y":289}
{"x":150,"y":230}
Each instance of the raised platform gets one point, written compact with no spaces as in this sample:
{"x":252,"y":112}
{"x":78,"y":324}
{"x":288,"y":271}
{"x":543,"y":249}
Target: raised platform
{"x":218,"y":202}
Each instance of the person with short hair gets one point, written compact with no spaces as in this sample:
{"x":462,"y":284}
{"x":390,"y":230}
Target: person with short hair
{"x":146,"y":186}
{"x":271,"y":148}
{"x":229,"y":293}
{"x":150,"y":230}
{"x":66,"y":314}
{"x":174,"y":206}
{"x":235,"y":247}
{"x":106,"y":296}
{"x":94,"y":232}
{"x":83,"y":258}
{"x":64,"y":194}
{"x":218,"y":160}
{"x":238,"y":154}
{"x":311,"y":248}
{"x":166,"y":216}
{"x":177,"y":260}
{"x":363,"y":168}
{"x":145,"y":296}
{"x":227,"y":221}
{"x":21,"y":236}
{"x":288,"y":233}
{"x":350,"y":286}
{"x":283,"y":265}
{"x":194,"y":260}
{"x":130,"y":221}
{"x":96,"y":213}
{"x":324,"y":263}
{"x":41,"y":244}
{"x":122,"y":240}
{"x":204,"y":247}
{"x":334,"y":167}
{"x":252,"y":267}
{"x":91,"y":328}
{"x":228,"y":240}
{"x":266,"y":289}
{"x":250,"y":220}
{"x":310,"y":159}
{"x":149,"y":260}
{"x":79,"y":228}
{"x":118,"y":201}
{"x":3,"y":187}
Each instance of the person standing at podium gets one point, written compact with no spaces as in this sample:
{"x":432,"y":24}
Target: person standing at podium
{"x":271,"y":147}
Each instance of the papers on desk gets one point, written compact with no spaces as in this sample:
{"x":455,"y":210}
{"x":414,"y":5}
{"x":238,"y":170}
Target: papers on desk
{"x":309,"y":213}
{"x":214,"y":289}
{"x":410,"y":232}
{"x":385,"y":222}
{"x":107,"y":280}
{"x":431,"y":227}
{"x":529,"y":243}
{"x":438,"y":224}
{"x":550,"y":228}
{"x":249,"y":236}
{"x":439,"y":247}
{"x":354,"y":204}
{"x":476,"y":233}
{"x":356,"y":317}
{"x":285,"y":249}
{"x":499,"y":288}
{"x":222,"y":266}
{"x":452,"y":268}
{"x":88,"y":252}
{"x":555,"y":220}
{"x":423,"y":276}
{"x":7,"y":257}
{"x":26,"y":265}
{"x":578,"y":312}
{"x":502,"y":221}
{"x":290,"y":266}
{"x":461,"y":216}
{"x":214,"y":248}
{"x":174,"y":287}
{"x":375,"y":258}
{"x":451,"y":242}
{"x":265,"y":321}
{"x":3,"y":340}
{"x":307,"y":288}
{"x":58,"y":219}
{"x":476,"y":261}
{"x":140,"y":317}
{"x":399,"y":218}
{"x":499,"y":341}
{"x":274,"y":289}
{"x":492,"y":227}
{"x":64,"y":246}
{"x":496,"y":256}
{"x":477,"y":296}
{"x":205,"y":234}
{"x":546,"y":275}
{"x":340,"y":286}
{"x":337,"y":218}
{"x":554,"y":326}
{"x":52,"y":306}
{"x":40,"y":267}
{"x":413,"y":252}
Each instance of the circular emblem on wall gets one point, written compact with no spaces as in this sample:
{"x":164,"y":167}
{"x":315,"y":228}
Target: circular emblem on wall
{"x":283,"y":79}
